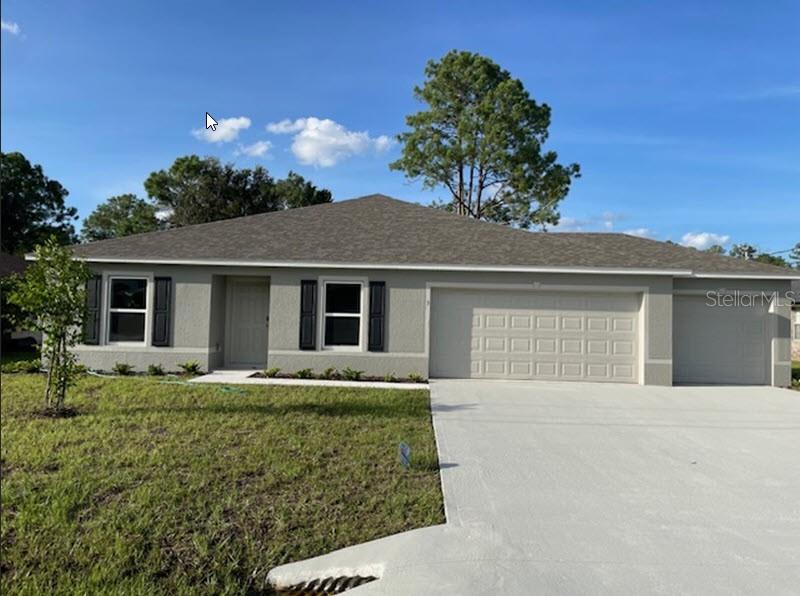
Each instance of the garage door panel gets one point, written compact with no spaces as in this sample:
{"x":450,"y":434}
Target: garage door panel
{"x":545,"y":322}
{"x":520,"y":345}
{"x":720,"y":345}
{"x":572,"y":323}
{"x":599,"y":324}
{"x":521,"y":322}
{"x":536,"y":335}
{"x":522,"y":369}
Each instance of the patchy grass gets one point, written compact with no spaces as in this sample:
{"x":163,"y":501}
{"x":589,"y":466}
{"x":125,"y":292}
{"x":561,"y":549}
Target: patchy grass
{"x":169,"y":488}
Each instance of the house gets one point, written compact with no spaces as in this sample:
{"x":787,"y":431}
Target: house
{"x":13,"y":338}
{"x":385,"y":286}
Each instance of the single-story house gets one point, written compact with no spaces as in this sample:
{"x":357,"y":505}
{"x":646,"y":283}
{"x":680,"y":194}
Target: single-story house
{"x":384,"y":286}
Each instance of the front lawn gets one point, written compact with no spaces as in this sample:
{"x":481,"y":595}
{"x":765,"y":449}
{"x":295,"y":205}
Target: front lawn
{"x":168,"y":488}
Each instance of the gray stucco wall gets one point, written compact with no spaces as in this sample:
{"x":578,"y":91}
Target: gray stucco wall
{"x":406,"y":316}
{"x":200,"y":307}
{"x":198,"y":319}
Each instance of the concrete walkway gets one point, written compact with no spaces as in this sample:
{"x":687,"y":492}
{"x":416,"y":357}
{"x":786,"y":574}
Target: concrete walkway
{"x":560,"y":488}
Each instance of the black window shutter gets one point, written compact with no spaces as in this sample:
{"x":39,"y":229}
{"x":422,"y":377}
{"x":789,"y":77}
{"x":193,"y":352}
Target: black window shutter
{"x":91,"y":325}
{"x":162,"y":311}
{"x":308,"y":314}
{"x":377,"y":316}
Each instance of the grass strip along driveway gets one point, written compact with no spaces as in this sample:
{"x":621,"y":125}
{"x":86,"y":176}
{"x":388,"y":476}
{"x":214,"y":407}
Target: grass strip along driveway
{"x":166,"y":488}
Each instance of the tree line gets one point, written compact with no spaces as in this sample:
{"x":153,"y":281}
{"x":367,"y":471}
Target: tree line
{"x":748,"y":252}
{"x":192,"y":190}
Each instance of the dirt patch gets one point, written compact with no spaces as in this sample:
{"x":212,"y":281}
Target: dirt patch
{"x":54,"y":413}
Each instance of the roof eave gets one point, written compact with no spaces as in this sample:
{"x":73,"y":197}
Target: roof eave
{"x":390,"y":266}
{"x":686,"y":273}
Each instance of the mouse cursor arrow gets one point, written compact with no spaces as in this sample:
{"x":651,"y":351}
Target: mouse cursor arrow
{"x":210,"y":122}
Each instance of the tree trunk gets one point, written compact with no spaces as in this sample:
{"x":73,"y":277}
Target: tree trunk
{"x":61,"y":386}
{"x":48,"y":388}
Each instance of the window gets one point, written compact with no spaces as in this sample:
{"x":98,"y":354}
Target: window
{"x":127,"y":310}
{"x":342,"y":319}
{"x":797,"y":330}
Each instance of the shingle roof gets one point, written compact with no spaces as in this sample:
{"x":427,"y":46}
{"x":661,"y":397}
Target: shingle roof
{"x":379,"y":230}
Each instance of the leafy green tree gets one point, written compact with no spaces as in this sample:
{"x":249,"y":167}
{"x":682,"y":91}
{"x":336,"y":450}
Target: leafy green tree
{"x":52,"y":298}
{"x":716,"y":249}
{"x":198,"y":190}
{"x":743,"y":251}
{"x":795,"y":255}
{"x":296,"y":191}
{"x":772,"y":260}
{"x":481,"y":138}
{"x":121,"y":215}
{"x":32,"y":206}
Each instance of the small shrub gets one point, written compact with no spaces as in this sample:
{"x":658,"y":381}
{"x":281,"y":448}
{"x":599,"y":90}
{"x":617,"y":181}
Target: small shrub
{"x":390,"y":378}
{"x":329,"y":374}
{"x":416,"y":378}
{"x":349,"y":374}
{"x":272,"y":372}
{"x":122,"y":369}
{"x":155,"y":370}
{"x":304,"y":373}
{"x":190,"y":367}
{"x":22,"y":366}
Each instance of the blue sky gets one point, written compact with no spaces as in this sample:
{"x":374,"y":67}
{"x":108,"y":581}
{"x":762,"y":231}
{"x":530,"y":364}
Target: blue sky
{"x":684,"y":116}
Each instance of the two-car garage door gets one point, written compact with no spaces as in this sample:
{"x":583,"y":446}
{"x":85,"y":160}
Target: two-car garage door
{"x":534,"y":335}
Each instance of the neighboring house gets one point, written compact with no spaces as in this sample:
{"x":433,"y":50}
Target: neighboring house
{"x":385,"y":286}
{"x":796,"y":320}
{"x":14,"y":338}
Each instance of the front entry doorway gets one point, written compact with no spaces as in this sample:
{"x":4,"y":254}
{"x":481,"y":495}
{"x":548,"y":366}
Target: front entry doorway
{"x":248,"y":323}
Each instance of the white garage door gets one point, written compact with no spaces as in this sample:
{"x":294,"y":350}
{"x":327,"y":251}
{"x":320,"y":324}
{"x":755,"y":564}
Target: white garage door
{"x":534,"y":335}
{"x":719,"y":344}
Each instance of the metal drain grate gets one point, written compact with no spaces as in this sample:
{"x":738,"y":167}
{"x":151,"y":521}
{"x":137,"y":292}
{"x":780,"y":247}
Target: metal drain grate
{"x":326,"y":585}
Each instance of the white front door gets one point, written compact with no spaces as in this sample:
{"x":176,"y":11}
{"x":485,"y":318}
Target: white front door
{"x":248,"y":309}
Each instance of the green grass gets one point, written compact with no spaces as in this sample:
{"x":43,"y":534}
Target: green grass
{"x":167,"y":488}
{"x":796,"y":374}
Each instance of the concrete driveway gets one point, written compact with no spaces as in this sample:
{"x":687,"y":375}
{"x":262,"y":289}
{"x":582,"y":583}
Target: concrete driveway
{"x":567,"y":488}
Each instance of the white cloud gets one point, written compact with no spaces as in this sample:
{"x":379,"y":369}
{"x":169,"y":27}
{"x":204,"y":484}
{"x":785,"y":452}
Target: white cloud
{"x":10,"y":27}
{"x":227,"y":130}
{"x":703,"y":240}
{"x":593,"y":223}
{"x":640,"y":232}
{"x":257,"y":149}
{"x":286,"y":126}
{"x":324,"y":142}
